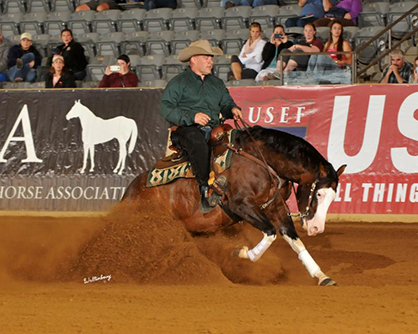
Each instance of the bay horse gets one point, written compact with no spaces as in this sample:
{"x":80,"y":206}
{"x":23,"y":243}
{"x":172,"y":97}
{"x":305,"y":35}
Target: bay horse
{"x":250,"y":194}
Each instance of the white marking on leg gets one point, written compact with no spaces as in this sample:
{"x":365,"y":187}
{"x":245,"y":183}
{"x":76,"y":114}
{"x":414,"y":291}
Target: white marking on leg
{"x":258,"y":251}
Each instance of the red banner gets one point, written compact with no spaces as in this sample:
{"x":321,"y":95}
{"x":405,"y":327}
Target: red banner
{"x":373,"y":129}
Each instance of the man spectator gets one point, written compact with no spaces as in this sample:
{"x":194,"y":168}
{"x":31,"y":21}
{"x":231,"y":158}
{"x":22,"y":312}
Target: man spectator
{"x":193,"y":101}
{"x":399,"y":70}
{"x":312,"y":10}
{"x":5,"y":46}
{"x":23,"y":60}
{"x":119,"y":77}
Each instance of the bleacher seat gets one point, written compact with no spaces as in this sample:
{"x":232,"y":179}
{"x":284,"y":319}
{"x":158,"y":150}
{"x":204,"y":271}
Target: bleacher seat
{"x":182,"y":39}
{"x":286,"y":12}
{"x":234,"y":40}
{"x":265,"y":15}
{"x":15,"y":85}
{"x":14,"y":6}
{"x":215,"y":36}
{"x":106,"y":21}
{"x":369,"y":53}
{"x":157,"y":83}
{"x":159,"y":43}
{"x":150,"y":67}
{"x":62,"y":6}
{"x":189,"y":4}
{"x":9,"y":23}
{"x":97,"y":67}
{"x":211,"y":3}
{"x":134,"y":42}
{"x":43,"y":69}
{"x":37,"y":6}
{"x":131,"y":20}
{"x":236,"y":18}
{"x":171,"y":67}
{"x":322,"y":33}
{"x":209,"y":18}
{"x":157,"y":19}
{"x":88,"y":41}
{"x":90,"y":84}
{"x":55,"y":22}
{"x":183,"y":19}
{"x":222,"y":66}
{"x":41,"y":43}
{"x":396,"y":10}
{"x":134,"y":61}
{"x":53,"y":42}
{"x":80,"y":22}
{"x":373,"y":14}
{"x":241,"y":83}
{"x":33,"y":22}
{"x":110,"y":44}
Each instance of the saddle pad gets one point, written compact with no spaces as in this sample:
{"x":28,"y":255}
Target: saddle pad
{"x":158,"y":177}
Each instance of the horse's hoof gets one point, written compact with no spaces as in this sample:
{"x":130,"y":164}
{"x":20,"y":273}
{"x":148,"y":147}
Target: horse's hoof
{"x":328,"y":282}
{"x":242,"y":253}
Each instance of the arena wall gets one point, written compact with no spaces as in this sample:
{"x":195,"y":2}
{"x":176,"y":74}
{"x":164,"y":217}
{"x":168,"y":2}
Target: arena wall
{"x":372,"y":129}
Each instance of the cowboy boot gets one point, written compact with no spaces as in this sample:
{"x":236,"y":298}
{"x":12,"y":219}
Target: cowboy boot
{"x":204,"y":205}
{"x":219,"y":187}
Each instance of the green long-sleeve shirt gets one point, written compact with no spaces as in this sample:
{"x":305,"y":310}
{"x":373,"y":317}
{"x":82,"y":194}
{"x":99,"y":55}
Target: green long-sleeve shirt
{"x":186,"y":95}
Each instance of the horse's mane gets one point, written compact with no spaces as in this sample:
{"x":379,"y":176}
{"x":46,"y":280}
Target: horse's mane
{"x":294,"y":148}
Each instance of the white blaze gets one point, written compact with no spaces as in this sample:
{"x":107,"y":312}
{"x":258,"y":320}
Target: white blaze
{"x":316,"y":225}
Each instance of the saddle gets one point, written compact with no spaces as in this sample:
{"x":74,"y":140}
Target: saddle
{"x":218,"y":142}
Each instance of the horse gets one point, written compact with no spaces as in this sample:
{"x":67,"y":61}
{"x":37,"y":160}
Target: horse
{"x":96,"y":130}
{"x":256,"y":196}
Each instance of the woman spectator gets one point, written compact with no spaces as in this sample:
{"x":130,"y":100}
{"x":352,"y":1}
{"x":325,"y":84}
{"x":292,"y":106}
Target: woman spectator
{"x":249,"y":62}
{"x":415,"y":77}
{"x":321,"y":63}
{"x":311,"y":44}
{"x":278,"y":42}
{"x":58,"y":76}
{"x":73,"y":53}
{"x":345,"y":12}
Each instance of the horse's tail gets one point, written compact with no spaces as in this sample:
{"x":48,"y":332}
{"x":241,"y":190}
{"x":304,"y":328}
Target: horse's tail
{"x":134,"y":135}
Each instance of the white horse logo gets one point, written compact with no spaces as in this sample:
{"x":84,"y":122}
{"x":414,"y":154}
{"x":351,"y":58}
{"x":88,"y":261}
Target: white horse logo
{"x":96,"y":130}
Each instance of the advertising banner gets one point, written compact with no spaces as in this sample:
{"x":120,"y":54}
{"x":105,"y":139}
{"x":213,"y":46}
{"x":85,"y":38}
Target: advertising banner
{"x":77,"y":150}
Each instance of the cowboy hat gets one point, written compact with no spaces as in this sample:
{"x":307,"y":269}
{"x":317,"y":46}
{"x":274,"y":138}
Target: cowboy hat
{"x":200,"y":47}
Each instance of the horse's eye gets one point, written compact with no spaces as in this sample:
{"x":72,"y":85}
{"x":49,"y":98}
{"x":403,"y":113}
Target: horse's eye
{"x":318,"y":194}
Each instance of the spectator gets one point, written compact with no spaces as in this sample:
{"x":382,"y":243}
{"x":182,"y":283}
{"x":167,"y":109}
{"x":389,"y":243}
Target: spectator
{"x":23,"y":60}
{"x":122,"y":77}
{"x":99,"y":5}
{"x":321,"y":63}
{"x":415,"y":78}
{"x":346,"y":12}
{"x":73,"y":53}
{"x":249,"y":62}
{"x":278,"y":42}
{"x":231,"y":3}
{"x":153,"y":4}
{"x":5,"y":46}
{"x":312,"y":10}
{"x":58,"y":76}
{"x":399,"y":70}
{"x":311,"y":44}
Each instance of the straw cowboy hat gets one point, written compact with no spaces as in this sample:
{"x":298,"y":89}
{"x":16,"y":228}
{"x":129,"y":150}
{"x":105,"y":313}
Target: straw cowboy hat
{"x":200,"y":47}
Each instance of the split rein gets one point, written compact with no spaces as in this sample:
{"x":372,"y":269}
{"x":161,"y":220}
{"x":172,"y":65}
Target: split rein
{"x":274,"y":177}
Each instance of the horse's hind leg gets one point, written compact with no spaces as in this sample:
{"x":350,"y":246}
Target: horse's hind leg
{"x":251,"y":213}
{"x":288,"y":232}
{"x":122,"y":157}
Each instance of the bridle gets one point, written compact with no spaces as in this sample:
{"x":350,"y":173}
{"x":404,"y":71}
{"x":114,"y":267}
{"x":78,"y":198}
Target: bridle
{"x":310,"y":199}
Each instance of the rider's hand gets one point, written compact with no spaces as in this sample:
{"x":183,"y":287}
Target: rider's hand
{"x":201,"y":118}
{"x":237,"y":113}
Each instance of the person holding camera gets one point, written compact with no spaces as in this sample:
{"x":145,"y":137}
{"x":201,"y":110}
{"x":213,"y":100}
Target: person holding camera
{"x":119,"y":75}
{"x":278,"y":42}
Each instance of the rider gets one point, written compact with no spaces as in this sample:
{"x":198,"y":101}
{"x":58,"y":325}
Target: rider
{"x":194,"y":100}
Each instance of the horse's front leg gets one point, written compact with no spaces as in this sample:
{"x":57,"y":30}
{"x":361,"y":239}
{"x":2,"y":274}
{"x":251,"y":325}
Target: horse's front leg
{"x":288,"y":232}
{"x":251,"y":213}
{"x":86,"y":149}
{"x":91,"y":158}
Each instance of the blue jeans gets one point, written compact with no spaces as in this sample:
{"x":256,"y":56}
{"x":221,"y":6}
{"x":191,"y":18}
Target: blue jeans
{"x":257,"y":3}
{"x":237,"y":2}
{"x":298,"y":21}
{"x":27,"y":73}
{"x":3,"y":77}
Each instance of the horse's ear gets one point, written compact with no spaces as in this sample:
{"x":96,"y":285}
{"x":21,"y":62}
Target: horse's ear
{"x":341,"y":170}
{"x":322,"y":172}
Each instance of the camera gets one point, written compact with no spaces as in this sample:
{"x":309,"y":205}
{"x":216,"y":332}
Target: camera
{"x":278,"y":36}
{"x":114,"y":68}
